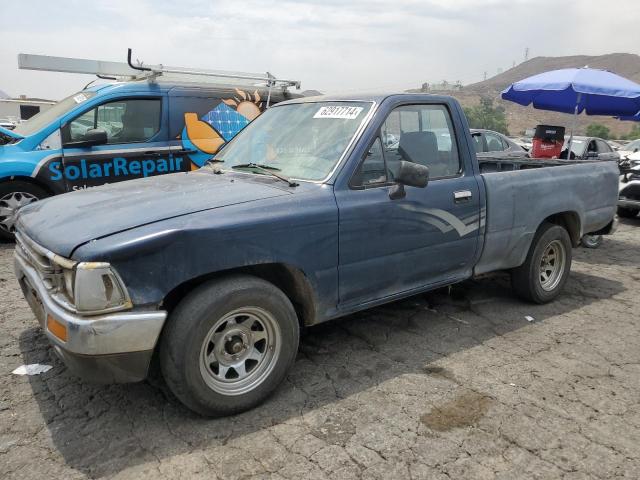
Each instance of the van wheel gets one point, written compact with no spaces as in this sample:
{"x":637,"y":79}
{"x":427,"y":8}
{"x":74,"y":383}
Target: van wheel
{"x":591,"y":241}
{"x":13,"y":196}
{"x":627,"y":212}
{"x":228,"y":345}
{"x":543,"y":274}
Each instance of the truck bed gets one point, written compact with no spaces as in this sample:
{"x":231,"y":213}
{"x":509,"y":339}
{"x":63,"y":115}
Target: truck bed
{"x":523,"y":193}
{"x":496,"y":164}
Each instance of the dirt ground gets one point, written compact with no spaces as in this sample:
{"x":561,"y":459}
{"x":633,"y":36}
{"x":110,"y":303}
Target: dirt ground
{"x":455,"y":384}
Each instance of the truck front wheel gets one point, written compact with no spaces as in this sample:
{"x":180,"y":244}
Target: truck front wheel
{"x":14,"y":195}
{"x":228,"y":344}
{"x":542,"y":276}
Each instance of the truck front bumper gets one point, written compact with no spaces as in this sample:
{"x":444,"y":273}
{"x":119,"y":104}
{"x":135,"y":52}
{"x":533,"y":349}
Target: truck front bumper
{"x":111,"y":348}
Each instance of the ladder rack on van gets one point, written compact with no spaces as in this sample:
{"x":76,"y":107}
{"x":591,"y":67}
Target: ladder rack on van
{"x":139,"y":71}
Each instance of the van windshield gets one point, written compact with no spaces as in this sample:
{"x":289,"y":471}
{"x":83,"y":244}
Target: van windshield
{"x":44,"y":118}
{"x":302,"y":140}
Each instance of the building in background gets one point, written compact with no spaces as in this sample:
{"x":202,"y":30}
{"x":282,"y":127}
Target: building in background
{"x":22,"y":108}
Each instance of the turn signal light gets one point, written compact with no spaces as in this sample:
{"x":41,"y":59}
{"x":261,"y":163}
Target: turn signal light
{"x":57,"y":328}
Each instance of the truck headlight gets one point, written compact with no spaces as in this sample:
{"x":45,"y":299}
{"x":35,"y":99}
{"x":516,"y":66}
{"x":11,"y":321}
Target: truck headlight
{"x":97,"y":288}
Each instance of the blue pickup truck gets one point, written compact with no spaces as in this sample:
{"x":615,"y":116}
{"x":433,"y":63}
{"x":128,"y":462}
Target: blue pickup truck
{"x":321,"y":207}
{"x":120,"y":131}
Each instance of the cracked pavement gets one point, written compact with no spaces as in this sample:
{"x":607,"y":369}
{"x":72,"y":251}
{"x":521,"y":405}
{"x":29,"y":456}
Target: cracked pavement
{"x":453,"y":384}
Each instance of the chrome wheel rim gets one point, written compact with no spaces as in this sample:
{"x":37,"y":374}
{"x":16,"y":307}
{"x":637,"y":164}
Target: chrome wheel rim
{"x":591,"y":240}
{"x":552,"y":265}
{"x":240,"y":351}
{"x":9,"y":206}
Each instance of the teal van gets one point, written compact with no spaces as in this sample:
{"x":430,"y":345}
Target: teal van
{"x":120,"y":131}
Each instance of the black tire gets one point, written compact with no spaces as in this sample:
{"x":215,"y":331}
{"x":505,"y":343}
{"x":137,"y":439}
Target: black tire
{"x":591,"y":241}
{"x":627,"y":212}
{"x":9,"y":191}
{"x":526,"y":279}
{"x":192,"y":322}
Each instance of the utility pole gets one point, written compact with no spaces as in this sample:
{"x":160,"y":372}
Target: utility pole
{"x":526,"y":54}
{"x":485,"y":75}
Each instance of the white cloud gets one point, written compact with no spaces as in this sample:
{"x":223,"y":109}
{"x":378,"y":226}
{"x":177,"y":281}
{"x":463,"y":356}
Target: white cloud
{"x":329,"y":45}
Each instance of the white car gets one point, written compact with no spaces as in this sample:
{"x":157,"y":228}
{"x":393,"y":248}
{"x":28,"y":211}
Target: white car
{"x":629,"y":149}
{"x":6,"y":123}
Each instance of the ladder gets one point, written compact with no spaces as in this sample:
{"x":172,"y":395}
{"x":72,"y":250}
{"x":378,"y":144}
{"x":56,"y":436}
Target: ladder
{"x":139,"y":71}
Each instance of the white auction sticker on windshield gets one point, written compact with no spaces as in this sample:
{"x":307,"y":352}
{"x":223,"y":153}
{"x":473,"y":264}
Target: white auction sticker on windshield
{"x":347,"y":113}
{"x":79,"y":98}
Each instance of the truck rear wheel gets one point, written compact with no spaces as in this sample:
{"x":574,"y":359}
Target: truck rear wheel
{"x":14,"y":195}
{"x":543,"y":274}
{"x":228,"y":345}
{"x":627,"y":212}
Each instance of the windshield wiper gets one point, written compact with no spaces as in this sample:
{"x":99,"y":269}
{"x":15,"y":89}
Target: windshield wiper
{"x":269,"y":170}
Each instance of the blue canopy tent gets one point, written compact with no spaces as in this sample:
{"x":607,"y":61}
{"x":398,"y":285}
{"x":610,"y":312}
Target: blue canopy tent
{"x":630,"y":118}
{"x":577,"y":90}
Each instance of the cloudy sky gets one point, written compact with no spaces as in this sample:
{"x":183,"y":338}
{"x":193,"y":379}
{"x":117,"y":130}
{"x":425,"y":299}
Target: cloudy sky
{"x":331,"y":45}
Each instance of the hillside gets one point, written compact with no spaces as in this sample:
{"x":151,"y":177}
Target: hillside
{"x":521,"y":118}
{"x":624,"y":64}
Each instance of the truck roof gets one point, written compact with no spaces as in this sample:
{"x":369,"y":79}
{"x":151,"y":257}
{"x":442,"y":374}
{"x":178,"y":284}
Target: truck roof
{"x":363,"y":97}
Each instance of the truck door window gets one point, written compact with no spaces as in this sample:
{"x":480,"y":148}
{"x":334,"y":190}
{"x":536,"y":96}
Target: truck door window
{"x":125,"y":121}
{"x":421,"y":134}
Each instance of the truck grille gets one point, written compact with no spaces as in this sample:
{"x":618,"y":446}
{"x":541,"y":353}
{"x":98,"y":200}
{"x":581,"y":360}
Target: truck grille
{"x":50,"y":267}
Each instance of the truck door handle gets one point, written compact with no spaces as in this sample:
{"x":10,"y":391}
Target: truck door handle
{"x":462,"y":196}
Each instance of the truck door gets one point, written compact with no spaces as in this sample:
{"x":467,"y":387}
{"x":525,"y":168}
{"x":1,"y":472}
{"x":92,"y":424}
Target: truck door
{"x":391,"y":246}
{"x":136,"y":144}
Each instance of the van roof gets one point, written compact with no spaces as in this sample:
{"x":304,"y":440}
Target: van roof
{"x":166,"y":86}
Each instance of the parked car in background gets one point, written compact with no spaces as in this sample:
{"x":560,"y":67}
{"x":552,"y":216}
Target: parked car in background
{"x":629,"y":195}
{"x":7,"y":124}
{"x":629,"y":149}
{"x":589,"y":148}
{"x":524,"y":142}
{"x":311,"y":213}
{"x":496,"y":145}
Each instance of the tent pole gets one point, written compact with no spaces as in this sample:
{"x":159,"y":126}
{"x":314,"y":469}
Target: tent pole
{"x":573,"y":125}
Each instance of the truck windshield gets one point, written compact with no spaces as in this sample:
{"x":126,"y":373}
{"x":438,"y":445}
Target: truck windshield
{"x":44,"y":118}
{"x":302,"y":140}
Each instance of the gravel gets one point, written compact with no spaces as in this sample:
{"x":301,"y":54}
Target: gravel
{"x":454,"y":384}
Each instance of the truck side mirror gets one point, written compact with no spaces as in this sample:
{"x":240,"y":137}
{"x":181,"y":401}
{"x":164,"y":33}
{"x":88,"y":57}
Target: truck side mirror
{"x":411,"y":174}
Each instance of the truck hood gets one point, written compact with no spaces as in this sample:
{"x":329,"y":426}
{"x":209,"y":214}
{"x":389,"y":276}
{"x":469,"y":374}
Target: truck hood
{"x":64,"y":222}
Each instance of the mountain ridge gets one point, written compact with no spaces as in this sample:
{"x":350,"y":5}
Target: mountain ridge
{"x":521,"y":118}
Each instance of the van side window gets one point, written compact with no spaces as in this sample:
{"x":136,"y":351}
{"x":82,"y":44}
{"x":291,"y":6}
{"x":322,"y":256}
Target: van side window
{"x":125,"y":121}
{"x":421,"y":134}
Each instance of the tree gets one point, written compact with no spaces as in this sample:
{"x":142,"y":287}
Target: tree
{"x":598,"y":130}
{"x":486,"y":116}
